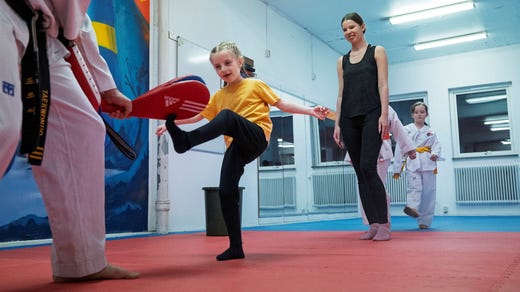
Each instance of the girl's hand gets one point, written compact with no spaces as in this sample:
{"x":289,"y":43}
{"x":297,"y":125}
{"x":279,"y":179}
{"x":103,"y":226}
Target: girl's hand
{"x":161,"y":129}
{"x":434,"y":157}
{"x":320,"y":112}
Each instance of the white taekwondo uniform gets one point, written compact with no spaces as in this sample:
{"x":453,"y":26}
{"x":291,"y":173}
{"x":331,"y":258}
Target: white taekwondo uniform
{"x":420,"y":172}
{"x":71,"y":177}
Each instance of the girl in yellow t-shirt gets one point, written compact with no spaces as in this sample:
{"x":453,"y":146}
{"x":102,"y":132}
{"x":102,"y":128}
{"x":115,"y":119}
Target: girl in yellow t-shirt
{"x":240,"y":112}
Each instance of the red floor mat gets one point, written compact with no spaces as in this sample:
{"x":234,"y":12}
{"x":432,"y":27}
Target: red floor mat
{"x":292,"y":261}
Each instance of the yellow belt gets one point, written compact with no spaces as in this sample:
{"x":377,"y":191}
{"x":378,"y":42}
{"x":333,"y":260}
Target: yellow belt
{"x":420,"y":149}
{"x":423,"y":149}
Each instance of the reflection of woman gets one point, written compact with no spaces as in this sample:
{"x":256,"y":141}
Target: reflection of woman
{"x":362,"y":119}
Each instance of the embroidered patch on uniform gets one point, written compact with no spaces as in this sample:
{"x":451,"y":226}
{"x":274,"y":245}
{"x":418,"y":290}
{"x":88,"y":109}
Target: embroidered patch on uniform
{"x":8,"y":88}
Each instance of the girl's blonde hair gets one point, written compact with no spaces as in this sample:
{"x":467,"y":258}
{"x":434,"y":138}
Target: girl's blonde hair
{"x":231,"y":46}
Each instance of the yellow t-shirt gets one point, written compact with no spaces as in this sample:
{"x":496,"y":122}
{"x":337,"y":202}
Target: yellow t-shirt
{"x":250,"y":98}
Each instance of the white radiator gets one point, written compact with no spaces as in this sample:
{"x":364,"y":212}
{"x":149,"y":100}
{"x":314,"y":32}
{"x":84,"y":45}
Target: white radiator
{"x":487,"y":184}
{"x":277,"y":193}
{"x":335,"y":189}
{"x":397,"y":189}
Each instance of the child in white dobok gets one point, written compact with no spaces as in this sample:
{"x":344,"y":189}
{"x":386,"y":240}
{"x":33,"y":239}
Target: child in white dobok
{"x":400,"y":136}
{"x":420,"y":172}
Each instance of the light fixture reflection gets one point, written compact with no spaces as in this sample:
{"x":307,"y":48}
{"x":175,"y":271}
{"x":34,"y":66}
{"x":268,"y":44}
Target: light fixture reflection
{"x":500,"y":128}
{"x":450,"y":41}
{"x":497,"y":122}
{"x":484,"y":99}
{"x":432,"y":12}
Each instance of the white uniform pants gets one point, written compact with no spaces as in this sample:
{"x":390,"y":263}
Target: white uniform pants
{"x":71,"y":177}
{"x":13,"y":40}
{"x":421,"y":194}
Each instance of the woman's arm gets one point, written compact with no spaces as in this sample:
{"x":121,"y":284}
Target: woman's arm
{"x":382,"y":85}
{"x":337,"y":131}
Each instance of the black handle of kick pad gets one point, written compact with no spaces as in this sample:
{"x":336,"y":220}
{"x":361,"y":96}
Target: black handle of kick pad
{"x":120,"y":143}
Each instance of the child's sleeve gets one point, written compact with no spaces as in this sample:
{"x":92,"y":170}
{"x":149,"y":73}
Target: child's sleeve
{"x":436,"y":146}
{"x":398,"y":159}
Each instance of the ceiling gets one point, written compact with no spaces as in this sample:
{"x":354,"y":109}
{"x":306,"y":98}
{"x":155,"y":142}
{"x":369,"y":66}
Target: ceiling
{"x":500,"y":18}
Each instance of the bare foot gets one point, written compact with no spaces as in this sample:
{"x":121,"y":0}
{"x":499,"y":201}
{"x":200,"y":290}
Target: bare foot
{"x":110,"y":272}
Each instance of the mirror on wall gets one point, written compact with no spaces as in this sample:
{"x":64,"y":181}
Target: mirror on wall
{"x":302,"y":173}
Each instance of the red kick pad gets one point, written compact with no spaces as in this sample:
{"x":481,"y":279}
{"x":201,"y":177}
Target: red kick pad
{"x":184,"y":96}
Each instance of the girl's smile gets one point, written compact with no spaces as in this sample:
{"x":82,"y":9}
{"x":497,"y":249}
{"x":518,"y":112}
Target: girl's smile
{"x":227,"y":65}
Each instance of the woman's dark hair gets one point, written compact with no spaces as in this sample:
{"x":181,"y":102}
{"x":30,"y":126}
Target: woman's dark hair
{"x":354,"y":16}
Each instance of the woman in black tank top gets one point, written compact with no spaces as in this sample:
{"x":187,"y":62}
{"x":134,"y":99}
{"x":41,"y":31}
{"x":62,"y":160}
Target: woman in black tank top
{"x":362,"y":119}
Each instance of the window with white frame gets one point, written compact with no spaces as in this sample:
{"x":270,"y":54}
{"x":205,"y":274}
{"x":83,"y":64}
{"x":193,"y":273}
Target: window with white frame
{"x":402,"y":107}
{"x":328,"y":150}
{"x":482,"y":118}
{"x":281,"y":145}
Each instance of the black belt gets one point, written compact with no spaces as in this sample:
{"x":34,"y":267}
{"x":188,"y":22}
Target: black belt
{"x":35,"y":83}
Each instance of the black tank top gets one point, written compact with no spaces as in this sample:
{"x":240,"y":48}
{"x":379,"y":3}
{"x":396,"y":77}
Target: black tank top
{"x":360,"y":92}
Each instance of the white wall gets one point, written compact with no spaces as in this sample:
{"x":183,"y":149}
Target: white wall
{"x":255,"y":29}
{"x":302,"y":66}
{"x":297,"y":64}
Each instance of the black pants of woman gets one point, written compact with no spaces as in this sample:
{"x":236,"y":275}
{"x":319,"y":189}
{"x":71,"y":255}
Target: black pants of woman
{"x":363,"y":142}
{"x":249,"y":142}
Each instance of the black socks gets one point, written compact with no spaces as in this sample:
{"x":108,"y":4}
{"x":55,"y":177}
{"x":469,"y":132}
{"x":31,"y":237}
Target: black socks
{"x":233,"y":252}
{"x":181,"y":143}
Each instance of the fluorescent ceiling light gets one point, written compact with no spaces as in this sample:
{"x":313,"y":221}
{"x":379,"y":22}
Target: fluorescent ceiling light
{"x":496,"y":119}
{"x":485,"y":99}
{"x":497,"y":122}
{"x":284,"y":144}
{"x":432,"y":12}
{"x":502,"y":128}
{"x":450,"y":41}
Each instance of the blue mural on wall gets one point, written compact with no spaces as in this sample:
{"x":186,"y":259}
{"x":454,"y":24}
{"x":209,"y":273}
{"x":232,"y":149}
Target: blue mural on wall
{"x":123,"y":33}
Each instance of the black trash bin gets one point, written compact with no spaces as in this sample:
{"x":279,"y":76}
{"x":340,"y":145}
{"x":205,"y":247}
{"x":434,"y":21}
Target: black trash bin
{"x":215,"y":225}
